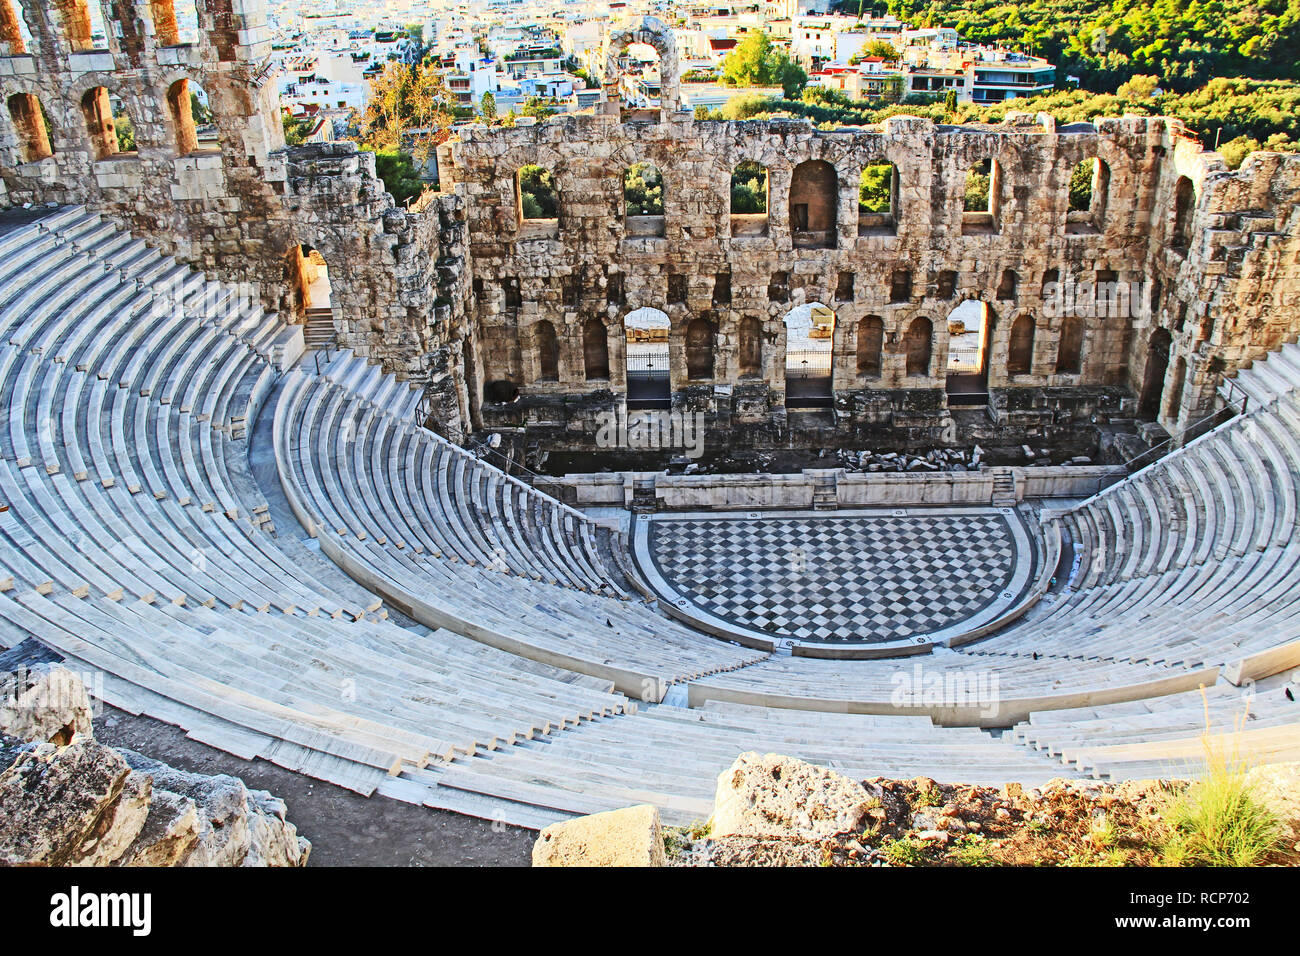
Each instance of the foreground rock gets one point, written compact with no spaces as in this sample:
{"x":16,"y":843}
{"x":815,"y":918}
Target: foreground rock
{"x":775,"y":796}
{"x":68,"y":800}
{"x":628,"y":837}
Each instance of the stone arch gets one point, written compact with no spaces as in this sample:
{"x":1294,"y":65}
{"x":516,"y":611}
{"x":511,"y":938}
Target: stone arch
{"x":175,"y":22}
{"x":108,"y":124}
{"x":28,"y":118}
{"x":699,"y":349}
{"x":647,"y":363}
{"x":918,"y":346}
{"x":1153,"y":378}
{"x":180,"y":110}
{"x":595,"y":350}
{"x":1184,"y":207}
{"x":84,"y":26}
{"x":15,"y":35}
{"x":814,"y":205}
{"x":1069,"y":351}
{"x":1020,"y":346}
{"x":547,"y":346}
{"x":653,"y":33}
{"x":750,"y":351}
{"x":809,"y":355}
{"x":870,"y":345}
{"x":310,"y":294}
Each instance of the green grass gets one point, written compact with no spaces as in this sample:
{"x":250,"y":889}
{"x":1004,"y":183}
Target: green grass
{"x":904,"y":852}
{"x":1218,"y":820}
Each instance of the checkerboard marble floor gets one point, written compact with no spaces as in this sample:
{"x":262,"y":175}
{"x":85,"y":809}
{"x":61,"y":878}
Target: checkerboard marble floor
{"x":855,"y":578}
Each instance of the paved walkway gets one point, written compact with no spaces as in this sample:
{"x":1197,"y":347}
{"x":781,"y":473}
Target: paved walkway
{"x":843,"y":577}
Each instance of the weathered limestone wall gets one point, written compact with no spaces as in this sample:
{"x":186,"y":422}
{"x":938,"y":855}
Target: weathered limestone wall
{"x":852,"y":490}
{"x":239,"y":209}
{"x":1241,"y":260}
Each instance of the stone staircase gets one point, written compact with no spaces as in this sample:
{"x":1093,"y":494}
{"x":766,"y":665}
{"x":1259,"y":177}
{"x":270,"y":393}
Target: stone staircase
{"x":1004,"y":488}
{"x":825,"y":495}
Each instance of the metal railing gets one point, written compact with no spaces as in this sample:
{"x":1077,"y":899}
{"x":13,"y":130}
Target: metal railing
{"x":1193,"y":431}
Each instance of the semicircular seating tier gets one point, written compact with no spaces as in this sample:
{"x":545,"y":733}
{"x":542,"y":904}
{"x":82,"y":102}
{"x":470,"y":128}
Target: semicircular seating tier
{"x":279,"y":561}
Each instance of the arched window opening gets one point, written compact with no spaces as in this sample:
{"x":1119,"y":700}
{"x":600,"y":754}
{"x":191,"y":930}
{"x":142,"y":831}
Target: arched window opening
{"x":1089,"y":192}
{"x":814,"y":205}
{"x":1153,"y":378}
{"x":1069,"y":352}
{"x":536,"y":194}
{"x":809,"y":338}
{"x":33,"y":128}
{"x":192,"y":120}
{"x":749,"y":197}
{"x":1008,"y":284}
{"x":84,"y":26}
{"x":970,"y":333}
{"x":981,"y":198}
{"x":878,"y":200}
{"x":175,"y":22}
{"x":648,"y":384}
{"x":109,"y":126}
{"x":641,"y":83}
{"x":699,"y":349}
{"x":918,"y":346}
{"x":643,"y":197}
{"x":311,"y":295}
{"x":15,"y":35}
{"x":871,"y":343}
{"x":1184,"y":206}
{"x":547,"y":345}
{"x":750,"y":356}
{"x":1020,"y":348}
{"x":595,"y":351}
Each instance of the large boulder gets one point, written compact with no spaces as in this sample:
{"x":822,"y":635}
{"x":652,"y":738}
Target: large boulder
{"x":68,"y":800}
{"x":773,"y":796}
{"x":628,"y":837}
{"x":65,"y":806}
{"x":234,"y":826}
{"x":44,"y":702}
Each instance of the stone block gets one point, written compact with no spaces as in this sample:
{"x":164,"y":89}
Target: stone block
{"x":628,"y":837}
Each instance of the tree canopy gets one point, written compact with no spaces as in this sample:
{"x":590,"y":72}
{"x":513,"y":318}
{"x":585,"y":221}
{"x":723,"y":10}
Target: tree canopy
{"x":757,"y":62}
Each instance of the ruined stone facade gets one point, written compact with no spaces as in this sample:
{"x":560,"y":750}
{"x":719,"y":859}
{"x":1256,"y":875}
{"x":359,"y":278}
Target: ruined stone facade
{"x":462,"y":294}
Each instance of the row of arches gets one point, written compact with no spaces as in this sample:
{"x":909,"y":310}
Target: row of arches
{"x":814,"y":198}
{"x":810,"y":332}
{"x":84,"y":26}
{"x":108,"y":124}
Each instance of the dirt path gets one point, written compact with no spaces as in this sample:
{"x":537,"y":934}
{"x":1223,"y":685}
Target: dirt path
{"x":345,"y":829}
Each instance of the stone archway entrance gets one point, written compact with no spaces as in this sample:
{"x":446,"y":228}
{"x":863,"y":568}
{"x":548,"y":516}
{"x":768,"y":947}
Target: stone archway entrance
{"x":809,"y":338}
{"x":648,"y":382}
{"x":970,"y":330}
{"x":1153,"y":378}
